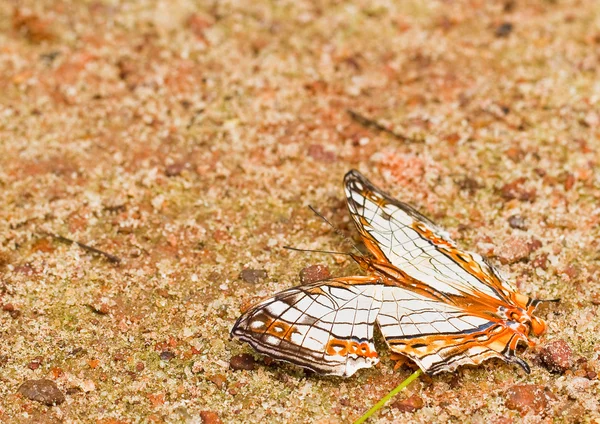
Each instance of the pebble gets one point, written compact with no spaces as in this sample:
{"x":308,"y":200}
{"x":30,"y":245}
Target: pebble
{"x":513,"y":250}
{"x":209,"y":417}
{"x":253,"y":276}
{"x":517,"y":222}
{"x":515,"y":190}
{"x":175,"y":169}
{"x":218,"y":380}
{"x":244,"y":361}
{"x":43,"y":391}
{"x":410,"y":404}
{"x":318,"y":153}
{"x":503,"y":30}
{"x":556,"y":356}
{"x":166,"y":355}
{"x":313,"y":273}
{"x":526,"y":398}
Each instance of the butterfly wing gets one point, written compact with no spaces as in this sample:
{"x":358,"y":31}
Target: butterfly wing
{"x":440,"y":336}
{"x":327,"y":326}
{"x":396,"y":233}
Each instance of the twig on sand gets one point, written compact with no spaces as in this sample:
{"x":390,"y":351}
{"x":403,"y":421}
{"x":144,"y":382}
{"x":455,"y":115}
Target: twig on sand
{"x":372,"y":124}
{"x":111,"y":258}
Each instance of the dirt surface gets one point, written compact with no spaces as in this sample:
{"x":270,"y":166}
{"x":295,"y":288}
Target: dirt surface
{"x":187,"y":140}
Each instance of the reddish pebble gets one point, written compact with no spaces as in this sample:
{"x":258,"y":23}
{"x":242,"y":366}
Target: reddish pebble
{"x":242,"y":362}
{"x":410,"y":404}
{"x":526,"y":398}
{"x":314,"y":273}
{"x":175,"y":169}
{"x":34,"y":365}
{"x":318,"y":152}
{"x":513,"y":250}
{"x":140,"y":366}
{"x":556,"y":356}
{"x":541,"y":261}
{"x":209,"y":417}
{"x":515,"y":190}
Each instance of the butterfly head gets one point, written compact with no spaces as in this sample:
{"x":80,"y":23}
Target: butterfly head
{"x":527,"y":322}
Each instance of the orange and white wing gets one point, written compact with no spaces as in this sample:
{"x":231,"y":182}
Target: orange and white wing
{"x":440,"y":336}
{"x":396,"y":233}
{"x":327,"y":326}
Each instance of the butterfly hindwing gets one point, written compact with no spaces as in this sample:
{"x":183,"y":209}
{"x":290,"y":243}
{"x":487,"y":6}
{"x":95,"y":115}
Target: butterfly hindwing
{"x":439,"y":336}
{"x":326,"y":326}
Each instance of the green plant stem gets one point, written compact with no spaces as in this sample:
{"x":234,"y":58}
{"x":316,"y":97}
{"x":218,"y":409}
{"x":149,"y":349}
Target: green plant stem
{"x":387,"y":397}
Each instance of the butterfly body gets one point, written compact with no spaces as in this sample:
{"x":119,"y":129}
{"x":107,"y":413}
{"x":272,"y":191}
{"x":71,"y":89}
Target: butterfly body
{"x":433,"y":302}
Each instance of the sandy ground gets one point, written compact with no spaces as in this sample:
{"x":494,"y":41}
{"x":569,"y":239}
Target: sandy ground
{"x":187,"y":139}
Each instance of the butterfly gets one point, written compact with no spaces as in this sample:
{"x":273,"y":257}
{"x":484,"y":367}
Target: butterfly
{"x":441,"y":306}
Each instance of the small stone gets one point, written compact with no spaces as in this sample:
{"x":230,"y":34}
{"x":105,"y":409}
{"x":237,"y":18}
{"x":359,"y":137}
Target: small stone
{"x":318,"y":153}
{"x":43,"y":391}
{"x":35,"y":364}
{"x":140,"y":366}
{"x":12,"y":311}
{"x":410,"y":404}
{"x":513,"y":250}
{"x":504,"y":29}
{"x":209,"y":417}
{"x":534,"y":244}
{"x":25,"y":269}
{"x":541,"y":261}
{"x":166,"y":355}
{"x":218,"y":380}
{"x":314,"y":273}
{"x":515,"y":190}
{"x":518,"y":222}
{"x":569,"y":181}
{"x":100,"y":306}
{"x":526,"y":398}
{"x":175,"y":169}
{"x":253,"y":276}
{"x":556,"y":356}
{"x":244,"y":361}
{"x":35,"y":28}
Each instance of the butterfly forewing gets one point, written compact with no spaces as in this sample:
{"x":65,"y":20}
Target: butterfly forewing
{"x":395,"y":232}
{"x":326,"y":326}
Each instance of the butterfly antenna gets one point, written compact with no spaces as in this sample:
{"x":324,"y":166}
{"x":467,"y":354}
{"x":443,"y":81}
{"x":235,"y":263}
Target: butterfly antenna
{"x":335,"y":229}
{"x":316,"y":251}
